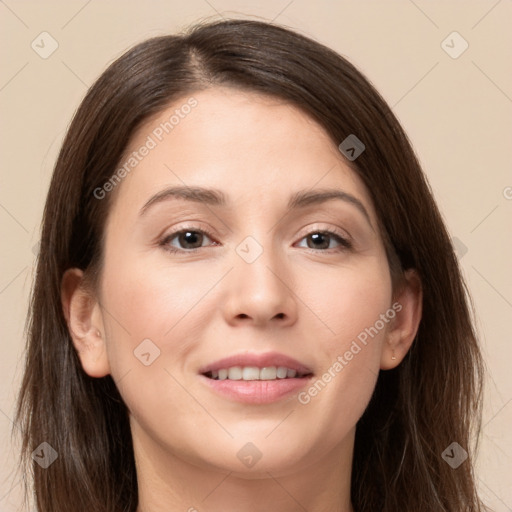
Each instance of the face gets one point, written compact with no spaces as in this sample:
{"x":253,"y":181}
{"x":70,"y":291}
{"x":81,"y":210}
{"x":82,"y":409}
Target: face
{"x":245,"y":270}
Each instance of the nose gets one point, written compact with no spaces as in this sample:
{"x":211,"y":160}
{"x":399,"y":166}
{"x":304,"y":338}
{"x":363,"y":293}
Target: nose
{"x":260,"y":293}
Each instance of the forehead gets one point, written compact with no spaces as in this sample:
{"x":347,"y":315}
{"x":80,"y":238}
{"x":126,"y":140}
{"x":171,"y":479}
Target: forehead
{"x":253,"y":147}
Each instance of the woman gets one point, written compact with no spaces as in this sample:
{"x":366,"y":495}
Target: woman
{"x":246,"y":298}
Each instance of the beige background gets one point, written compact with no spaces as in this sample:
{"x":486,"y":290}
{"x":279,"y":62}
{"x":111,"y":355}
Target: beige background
{"x":457,"y":112}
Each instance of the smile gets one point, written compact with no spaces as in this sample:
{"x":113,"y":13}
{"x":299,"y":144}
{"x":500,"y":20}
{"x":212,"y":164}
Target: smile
{"x":256,"y":378}
{"x":254,"y":373}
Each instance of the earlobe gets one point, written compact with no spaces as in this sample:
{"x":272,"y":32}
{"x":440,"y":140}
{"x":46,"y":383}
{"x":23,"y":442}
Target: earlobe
{"x":405,"y":325}
{"x":85,"y":323}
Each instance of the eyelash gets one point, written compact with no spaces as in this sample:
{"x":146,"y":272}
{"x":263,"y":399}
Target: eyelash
{"x":345,"y":244}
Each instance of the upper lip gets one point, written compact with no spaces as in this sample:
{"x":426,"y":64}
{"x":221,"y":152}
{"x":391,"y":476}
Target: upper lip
{"x":263,"y":360}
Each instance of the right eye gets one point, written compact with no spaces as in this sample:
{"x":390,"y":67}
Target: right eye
{"x":186,"y":237}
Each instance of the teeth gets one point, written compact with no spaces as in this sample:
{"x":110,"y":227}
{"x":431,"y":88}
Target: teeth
{"x":235,"y":373}
{"x":269,"y":373}
{"x":282,"y":372}
{"x":251,"y":373}
{"x":254,"y":373}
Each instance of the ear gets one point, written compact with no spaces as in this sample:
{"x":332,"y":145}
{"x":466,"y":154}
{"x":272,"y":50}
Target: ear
{"x":403,"y":328}
{"x":85,"y":323}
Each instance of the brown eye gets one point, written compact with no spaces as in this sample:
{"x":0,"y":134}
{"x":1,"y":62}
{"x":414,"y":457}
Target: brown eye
{"x":190,"y":238}
{"x":187,"y":240}
{"x":318,"y":241}
{"x":321,"y":240}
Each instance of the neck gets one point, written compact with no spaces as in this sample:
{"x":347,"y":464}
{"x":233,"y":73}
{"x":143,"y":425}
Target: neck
{"x":170,"y":482}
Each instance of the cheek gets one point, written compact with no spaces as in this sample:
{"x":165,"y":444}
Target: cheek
{"x":345,"y":302}
{"x":352,"y":305}
{"x":147,"y":302}
{"x":154,"y":317}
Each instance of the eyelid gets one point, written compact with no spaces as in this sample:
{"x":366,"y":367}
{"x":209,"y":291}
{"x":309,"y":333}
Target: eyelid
{"x":315,"y":228}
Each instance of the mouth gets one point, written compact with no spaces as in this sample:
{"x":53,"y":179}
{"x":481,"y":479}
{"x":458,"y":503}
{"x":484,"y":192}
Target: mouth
{"x":256,"y":378}
{"x":250,"y":373}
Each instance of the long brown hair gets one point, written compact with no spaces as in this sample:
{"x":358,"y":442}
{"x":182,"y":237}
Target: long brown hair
{"x":431,"y":400}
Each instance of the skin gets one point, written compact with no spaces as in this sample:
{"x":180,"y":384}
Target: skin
{"x":196,"y":307}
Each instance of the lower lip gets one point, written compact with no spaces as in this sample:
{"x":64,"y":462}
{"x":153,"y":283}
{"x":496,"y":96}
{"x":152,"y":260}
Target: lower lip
{"x":256,"y":391}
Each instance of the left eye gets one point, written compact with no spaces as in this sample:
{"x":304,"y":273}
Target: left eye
{"x":322,"y":240}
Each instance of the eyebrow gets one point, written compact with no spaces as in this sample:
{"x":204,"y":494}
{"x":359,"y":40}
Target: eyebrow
{"x":215,"y":197}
